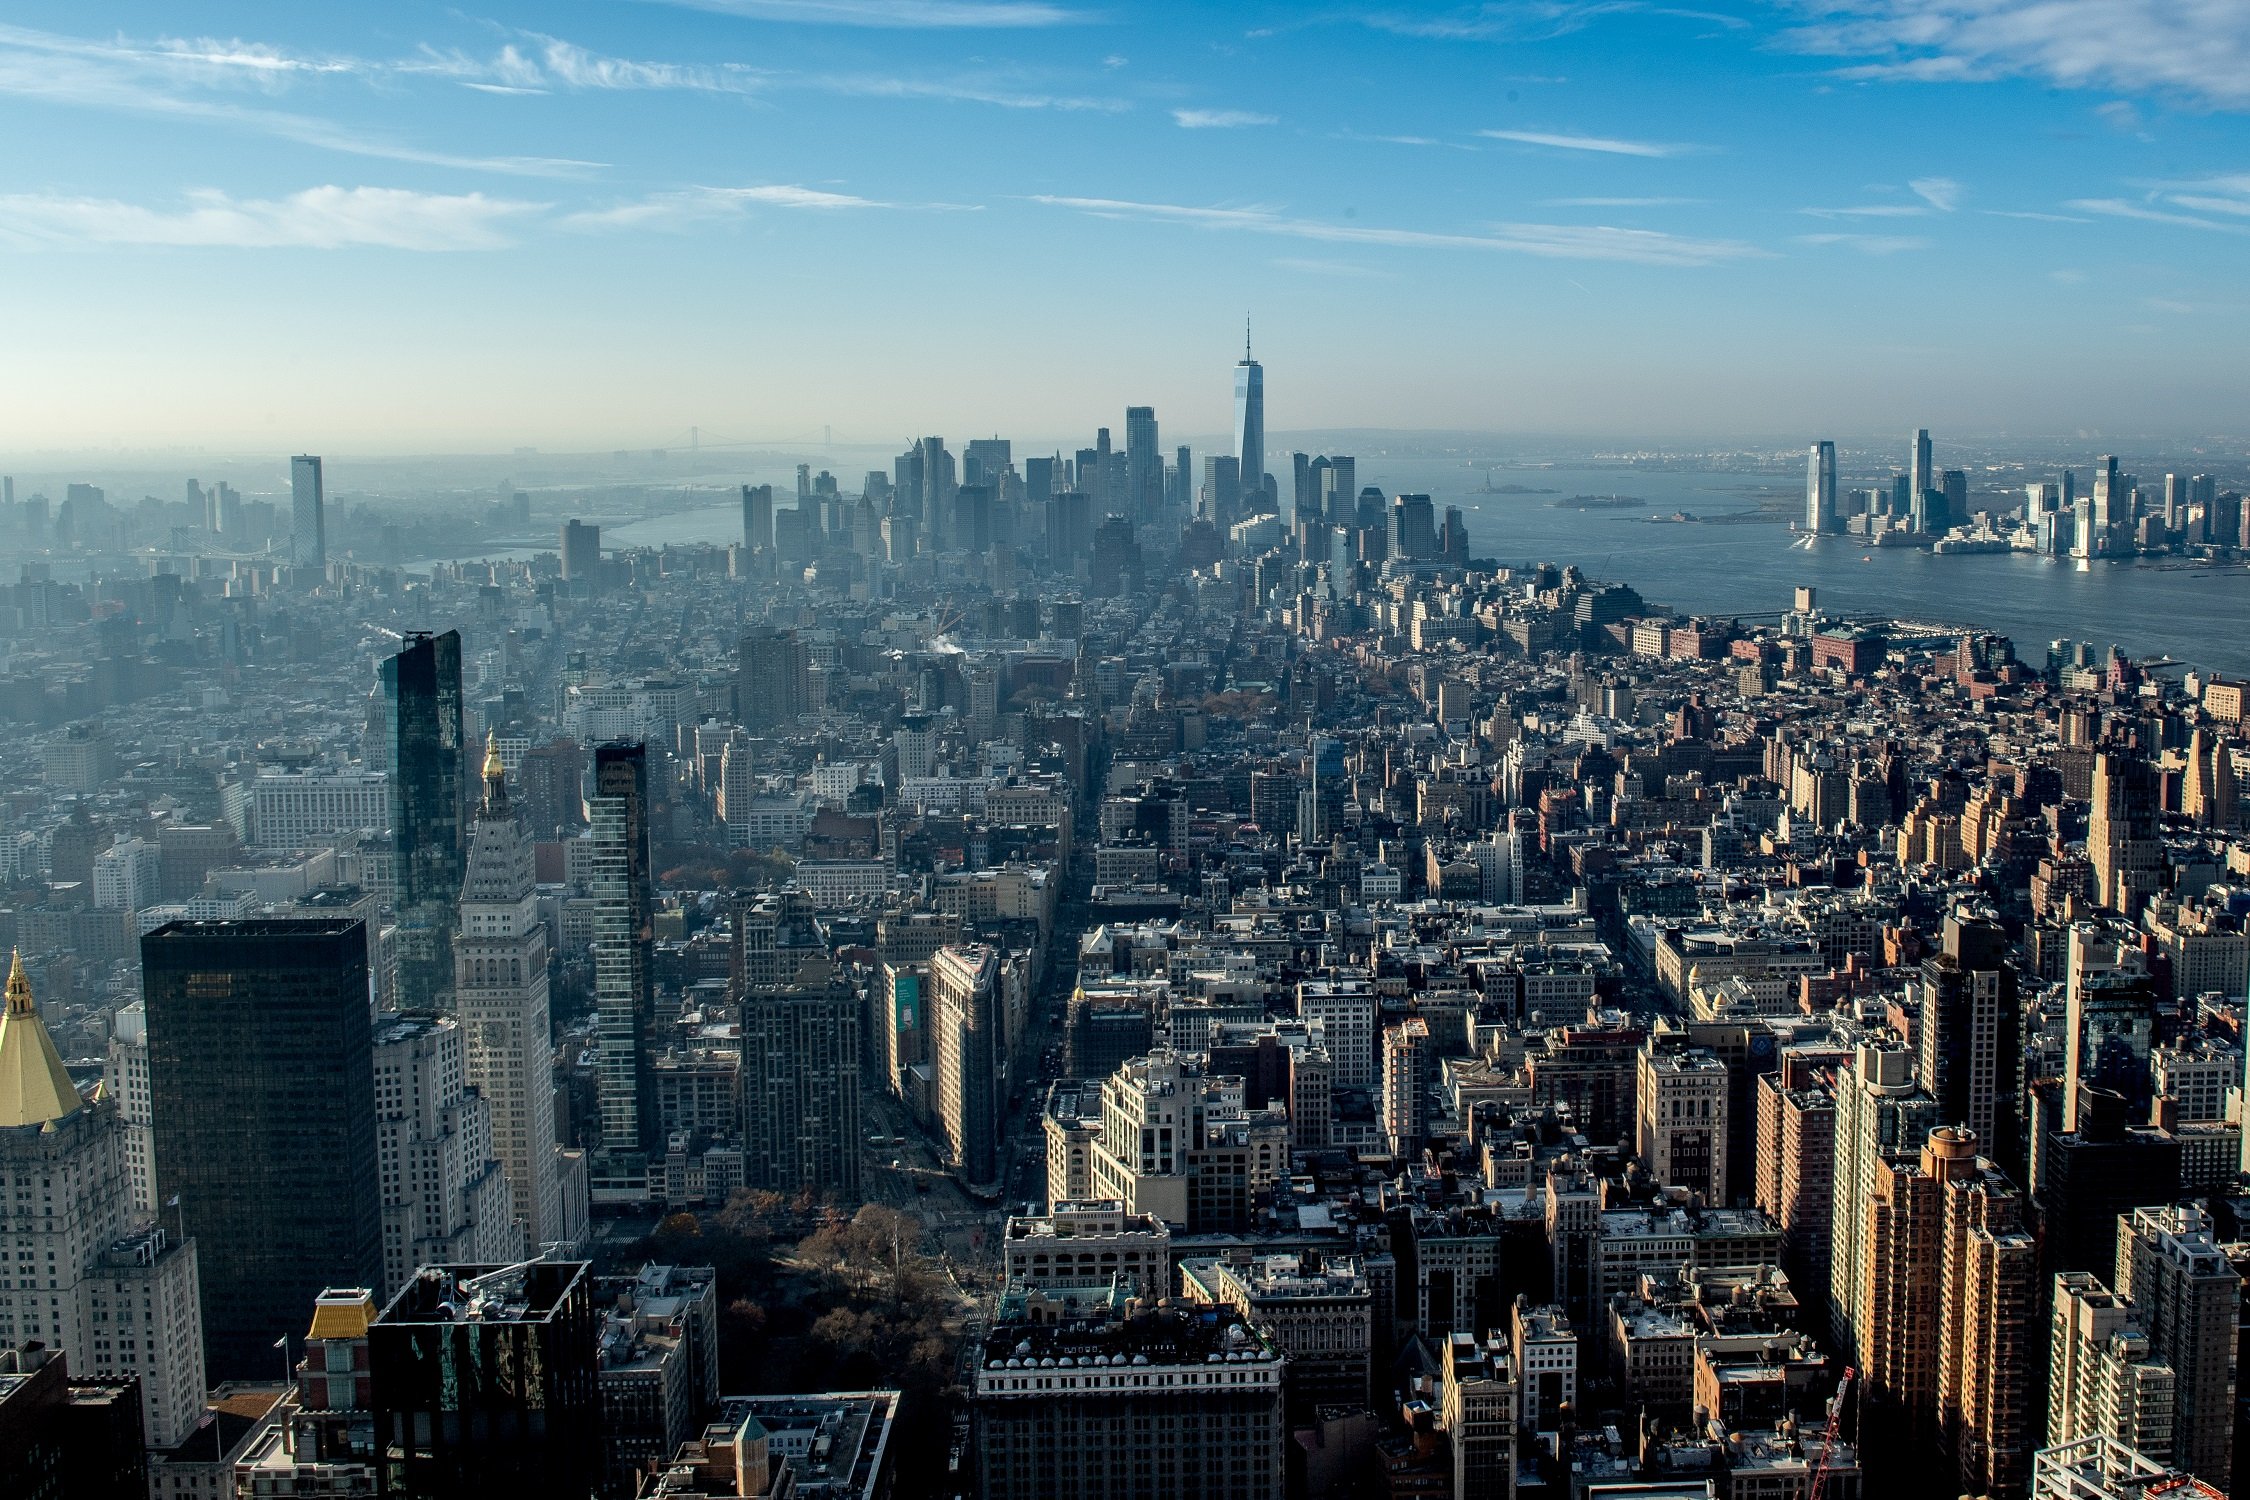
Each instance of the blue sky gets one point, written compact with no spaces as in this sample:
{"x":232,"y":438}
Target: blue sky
{"x":412,"y":226}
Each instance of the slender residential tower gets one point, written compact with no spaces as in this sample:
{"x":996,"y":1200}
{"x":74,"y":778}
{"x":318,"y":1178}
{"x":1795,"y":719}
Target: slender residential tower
{"x":1250,"y":422}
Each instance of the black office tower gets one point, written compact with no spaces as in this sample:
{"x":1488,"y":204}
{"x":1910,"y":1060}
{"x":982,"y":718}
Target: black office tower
{"x":624,"y":994}
{"x":485,"y":1381}
{"x":262,"y":1094}
{"x":423,"y":684}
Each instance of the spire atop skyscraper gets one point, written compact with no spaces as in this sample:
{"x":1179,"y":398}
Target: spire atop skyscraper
{"x":1250,"y":422}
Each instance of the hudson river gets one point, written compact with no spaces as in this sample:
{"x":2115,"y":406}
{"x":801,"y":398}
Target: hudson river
{"x":2199,"y":615}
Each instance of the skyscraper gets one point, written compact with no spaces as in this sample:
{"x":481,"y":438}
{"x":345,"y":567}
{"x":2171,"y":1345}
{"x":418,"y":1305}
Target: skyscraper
{"x":262,"y":1083}
{"x":1820,"y":489}
{"x":1250,"y":423}
{"x":1414,"y":527}
{"x":624,"y":997}
{"x":772,"y":678}
{"x":445,"y":1199}
{"x":2102,"y":1378}
{"x":1221,"y":500}
{"x":308,"y":520}
{"x":2121,"y":833}
{"x":2111,"y":504}
{"x":581,"y":553}
{"x":85,"y":1272}
{"x":801,"y":1083}
{"x":1921,"y":477}
{"x":423,"y":684}
{"x":1881,"y":1116}
{"x":2187,"y":1296}
{"x":757,"y":516}
{"x":965,"y":1015}
{"x":500,"y":995}
{"x":485,"y":1380}
{"x":1144,"y":464}
{"x":1969,"y":1030}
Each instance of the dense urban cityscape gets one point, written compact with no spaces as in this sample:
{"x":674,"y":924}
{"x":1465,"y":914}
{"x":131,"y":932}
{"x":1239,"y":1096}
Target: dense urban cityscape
{"x":1095,"y":974}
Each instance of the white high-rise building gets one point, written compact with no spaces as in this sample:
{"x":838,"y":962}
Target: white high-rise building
{"x":1820,"y":489}
{"x":308,"y":521}
{"x":125,"y":875}
{"x":1250,"y":426}
{"x":445,"y":1200}
{"x":1500,"y":869}
{"x":125,"y":1080}
{"x":500,"y":996}
{"x":738,"y":787}
{"x":1345,"y":1012}
{"x":85,"y":1272}
{"x":2102,"y":1381}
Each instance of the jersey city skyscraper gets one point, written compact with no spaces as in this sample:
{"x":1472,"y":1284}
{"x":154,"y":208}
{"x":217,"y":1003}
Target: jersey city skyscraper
{"x":1250,"y":424}
{"x":1820,"y":489}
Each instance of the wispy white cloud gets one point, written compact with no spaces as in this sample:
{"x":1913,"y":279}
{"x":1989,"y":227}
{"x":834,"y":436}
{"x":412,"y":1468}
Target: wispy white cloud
{"x":1344,"y":268}
{"x":1402,"y":140}
{"x":1605,"y":145}
{"x":1556,"y":241}
{"x":1868,"y":244}
{"x":545,"y":63}
{"x":2120,"y":208}
{"x":321,"y":218}
{"x":122,"y":77}
{"x":2036,"y":216}
{"x":1528,"y":20}
{"x":956,"y":90}
{"x":1219,"y":119}
{"x":1621,"y":202}
{"x":690,"y":206}
{"x":1941,"y":193}
{"x":254,"y":59}
{"x":2200,"y":48}
{"x":1873,"y":211}
{"x":897,"y":14}
{"x":1933,"y":195}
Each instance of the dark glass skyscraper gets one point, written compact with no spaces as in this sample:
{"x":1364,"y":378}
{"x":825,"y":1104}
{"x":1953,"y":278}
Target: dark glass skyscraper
{"x":423,"y":683}
{"x":485,"y":1380}
{"x":624,"y":996}
{"x":262,"y":1098}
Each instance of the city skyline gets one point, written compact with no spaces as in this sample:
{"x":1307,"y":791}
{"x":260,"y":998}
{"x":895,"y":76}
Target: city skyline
{"x":321,"y":232}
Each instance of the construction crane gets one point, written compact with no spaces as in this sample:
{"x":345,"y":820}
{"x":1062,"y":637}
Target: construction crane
{"x":1828,"y":1435}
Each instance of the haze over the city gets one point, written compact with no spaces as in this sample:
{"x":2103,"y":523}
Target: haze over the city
{"x":418,"y":228}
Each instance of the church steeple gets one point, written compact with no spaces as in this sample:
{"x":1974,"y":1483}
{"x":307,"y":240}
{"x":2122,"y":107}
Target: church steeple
{"x":35,"y":1087}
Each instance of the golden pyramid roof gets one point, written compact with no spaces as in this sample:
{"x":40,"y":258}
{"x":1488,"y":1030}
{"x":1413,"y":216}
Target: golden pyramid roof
{"x":342,"y":1313}
{"x":35,"y":1087}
